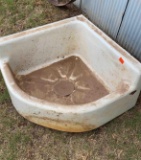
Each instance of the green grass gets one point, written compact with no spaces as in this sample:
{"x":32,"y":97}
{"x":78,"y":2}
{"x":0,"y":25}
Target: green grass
{"x":4,"y":96}
{"x":23,"y":14}
{"x":22,"y":140}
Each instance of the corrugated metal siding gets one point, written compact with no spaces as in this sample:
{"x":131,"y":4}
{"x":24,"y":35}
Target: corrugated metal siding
{"x":77,"y":3}
{"x":130,"y":33}
{"x":106,"y":14}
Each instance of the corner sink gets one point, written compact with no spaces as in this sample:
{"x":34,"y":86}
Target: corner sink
{"x":69,"y":75}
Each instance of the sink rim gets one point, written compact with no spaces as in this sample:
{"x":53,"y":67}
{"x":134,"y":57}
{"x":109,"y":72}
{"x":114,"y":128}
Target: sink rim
{"x":100,"y":103}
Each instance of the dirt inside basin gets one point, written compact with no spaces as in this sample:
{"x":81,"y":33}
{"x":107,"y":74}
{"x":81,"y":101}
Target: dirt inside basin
{"x":68,"y":81}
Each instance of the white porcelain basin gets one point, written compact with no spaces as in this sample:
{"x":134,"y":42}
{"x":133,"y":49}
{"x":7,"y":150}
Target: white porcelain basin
{"x":69,"y":75}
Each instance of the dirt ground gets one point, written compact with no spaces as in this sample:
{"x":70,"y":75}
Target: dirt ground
{"x":22,"y":140}
{"x":85,"y":88}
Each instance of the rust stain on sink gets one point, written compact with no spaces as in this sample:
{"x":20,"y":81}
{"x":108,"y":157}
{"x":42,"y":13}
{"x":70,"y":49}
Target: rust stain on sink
{"x":122,"y":88}
{"x":68,"y":81}
{"x":68,"y":126}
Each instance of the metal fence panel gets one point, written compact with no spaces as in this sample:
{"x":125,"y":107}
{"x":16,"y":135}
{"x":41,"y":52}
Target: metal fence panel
{"x":77,"y":3}
{"x":106,"y":14}
{"x":130,"y":33}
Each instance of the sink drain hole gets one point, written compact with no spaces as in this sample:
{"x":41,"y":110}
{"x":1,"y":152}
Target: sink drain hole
{"x":64,"y":88}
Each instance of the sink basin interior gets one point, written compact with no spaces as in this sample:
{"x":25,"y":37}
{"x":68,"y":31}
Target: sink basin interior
{"x":68,"y":82}
{"x":49,"y":52}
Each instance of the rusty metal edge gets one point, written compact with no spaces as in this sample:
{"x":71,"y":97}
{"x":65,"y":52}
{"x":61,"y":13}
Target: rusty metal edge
{"x":60,"y":4}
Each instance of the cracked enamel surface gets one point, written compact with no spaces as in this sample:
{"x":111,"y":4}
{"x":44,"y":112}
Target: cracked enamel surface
{"x":68,"y":81}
